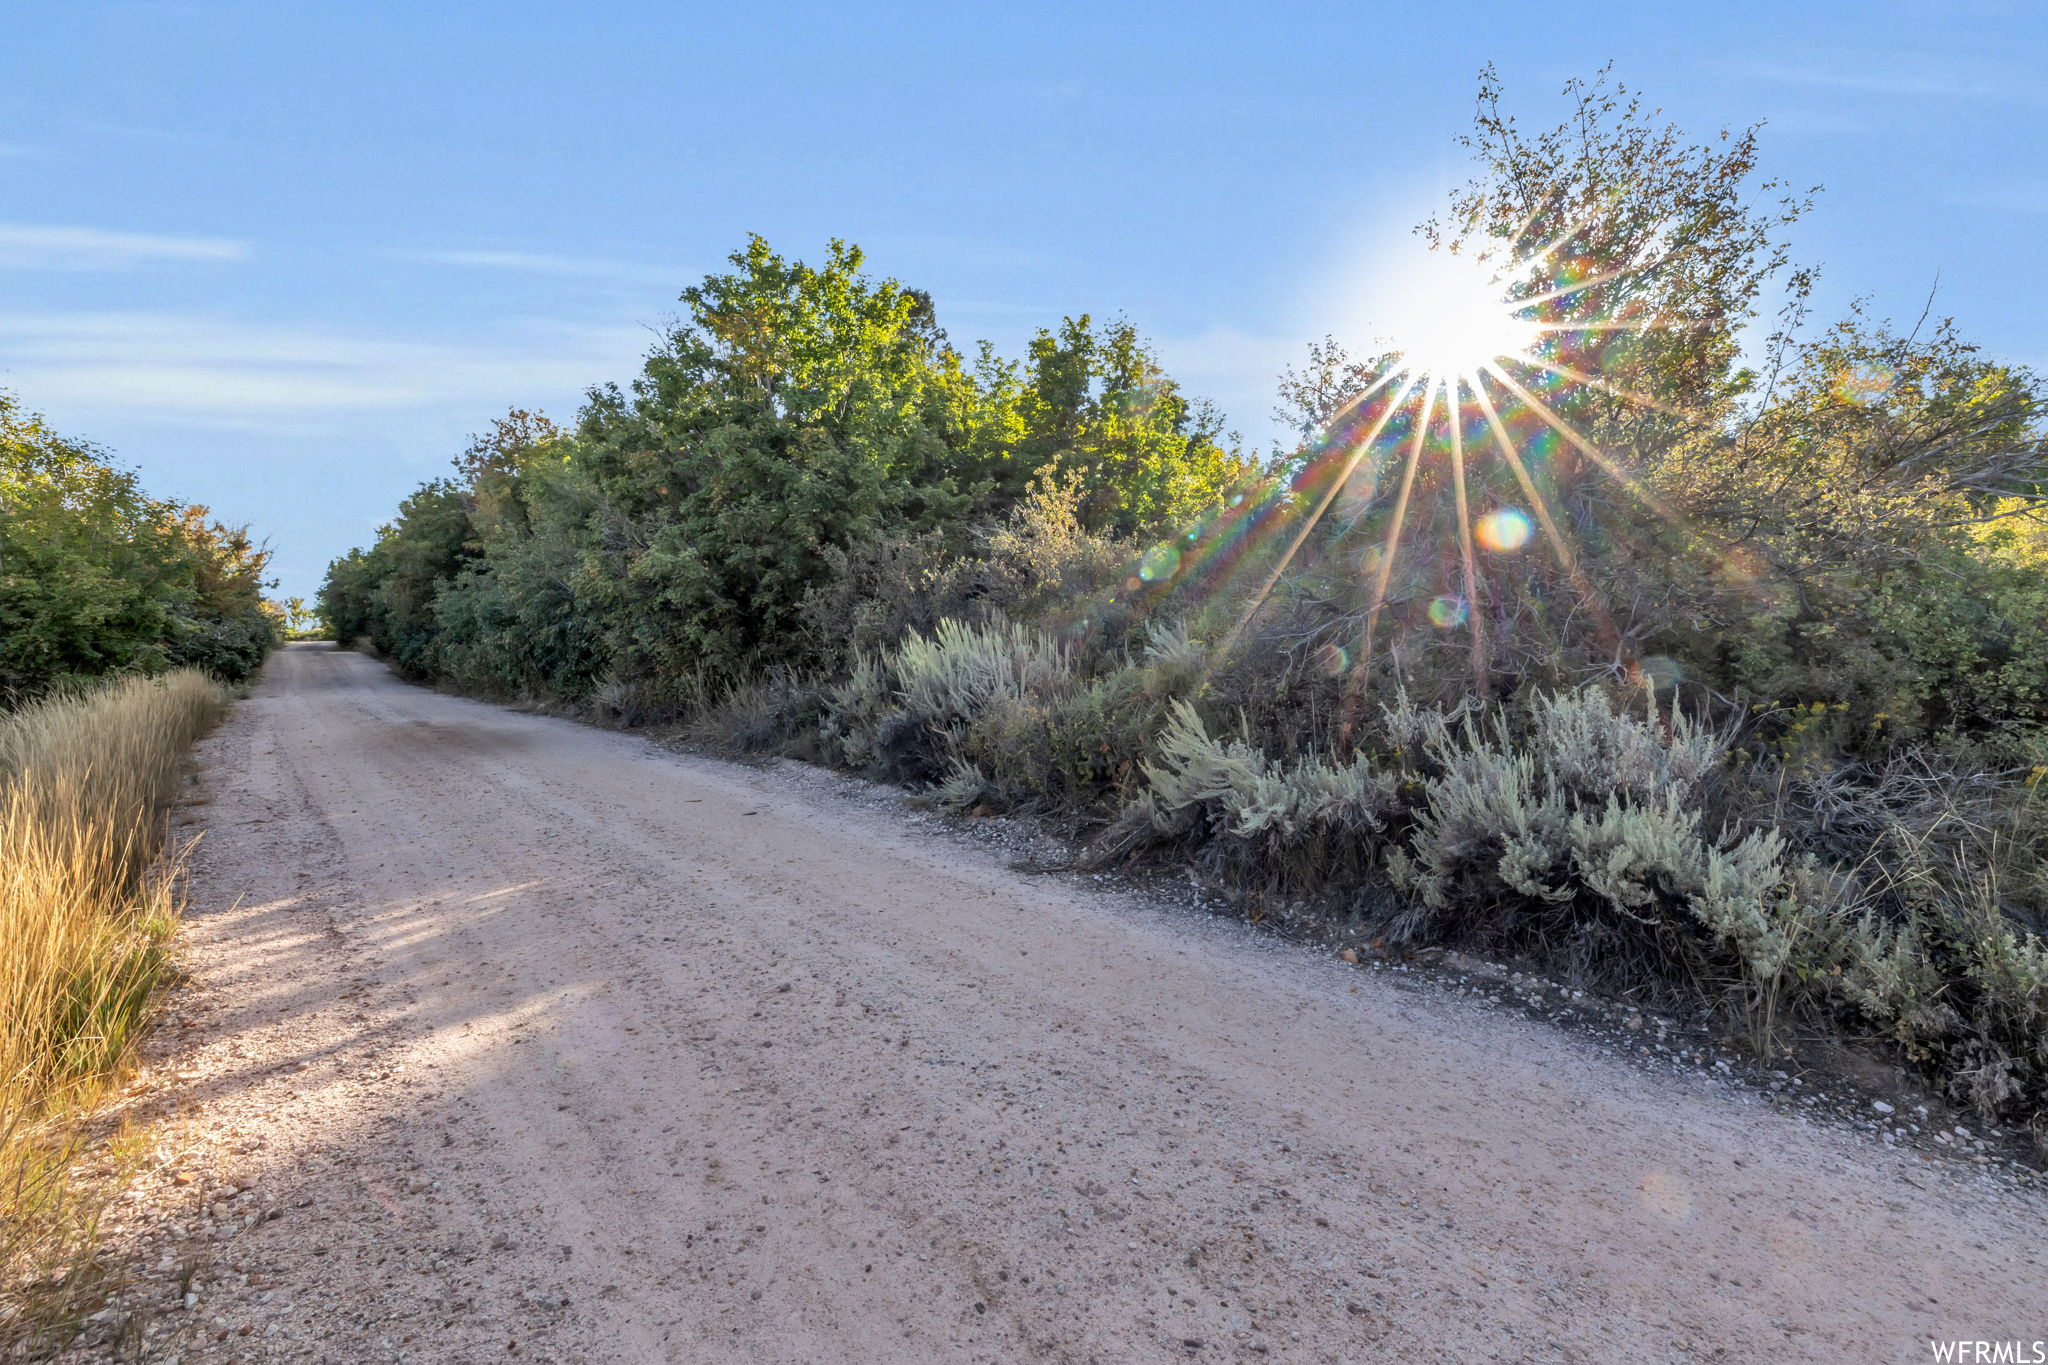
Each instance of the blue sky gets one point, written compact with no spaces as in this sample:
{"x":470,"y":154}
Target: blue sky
{"x":282,"y":257}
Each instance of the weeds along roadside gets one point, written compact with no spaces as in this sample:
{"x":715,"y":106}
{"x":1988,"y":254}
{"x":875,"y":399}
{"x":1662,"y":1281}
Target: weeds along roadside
{"x":88,"y":905}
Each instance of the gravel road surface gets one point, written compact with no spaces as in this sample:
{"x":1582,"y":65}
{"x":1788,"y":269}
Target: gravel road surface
{"x":510,"y":1038}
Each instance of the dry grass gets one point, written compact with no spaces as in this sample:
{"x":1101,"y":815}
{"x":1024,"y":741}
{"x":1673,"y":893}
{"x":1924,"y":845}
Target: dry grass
{"x":87,"y":907}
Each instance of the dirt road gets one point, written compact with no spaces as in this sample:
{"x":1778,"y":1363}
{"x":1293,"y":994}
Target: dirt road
{"x":534,"y":1041}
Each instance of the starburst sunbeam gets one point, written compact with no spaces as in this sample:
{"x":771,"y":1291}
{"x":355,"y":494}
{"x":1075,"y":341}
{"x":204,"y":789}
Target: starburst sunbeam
{"x":1594,"y":382}
{"x":1540,"y":506}
{"x":1592,"y":282}
{"x":1308,"y":523}
{"x":1583,"y":446}
{"x":1453,"y":402}
{"x":1388,"y":553}
{"x":1504,"y":362}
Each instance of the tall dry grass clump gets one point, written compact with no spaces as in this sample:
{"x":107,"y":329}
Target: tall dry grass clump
{"x":87,"y":906}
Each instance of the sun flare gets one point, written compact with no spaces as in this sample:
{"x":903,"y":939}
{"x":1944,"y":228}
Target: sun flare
{"x":1452,"y":449}
{"x":1449,"y":315}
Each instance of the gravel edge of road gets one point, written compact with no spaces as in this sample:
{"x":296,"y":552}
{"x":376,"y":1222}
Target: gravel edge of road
{"x":1820,"y":1087}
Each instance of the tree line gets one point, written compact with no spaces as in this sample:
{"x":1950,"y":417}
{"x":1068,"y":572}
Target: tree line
{"x":99,"y":577}
{"x":675,"y":530}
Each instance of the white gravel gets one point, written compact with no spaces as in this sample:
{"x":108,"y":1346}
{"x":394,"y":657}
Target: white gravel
{"x":513,"y":1039}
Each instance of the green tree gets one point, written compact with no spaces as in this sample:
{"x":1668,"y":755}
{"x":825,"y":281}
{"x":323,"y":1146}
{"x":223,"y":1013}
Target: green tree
{"x":386,"y":594}
{"x":96,"y":576}
{"x":1097,"y":402}
{"x":515,"y":618}
{"x":797,"y":409}
{"x":1618,"y":219}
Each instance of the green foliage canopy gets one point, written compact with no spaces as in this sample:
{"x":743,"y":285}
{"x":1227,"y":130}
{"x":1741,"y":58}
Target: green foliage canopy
{"x":98,"y":577}
{"x":672,"y":537}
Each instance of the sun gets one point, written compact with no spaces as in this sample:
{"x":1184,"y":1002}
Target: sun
{"x":1451,"y":439}
{"x":1448,"y":315}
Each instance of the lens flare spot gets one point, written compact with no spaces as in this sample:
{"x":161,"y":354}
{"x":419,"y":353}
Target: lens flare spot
{"x":1790,"y":1240}
{"x":1662,"y":672}
{"x":1666,"y":1196}
{"x":1332,"y":660}
{"x":1446,"y":612}
{"x":1739,"y":566}
{"x":1503,"y":531}
{"x":1159,"y":563}
{"x":1864,"y":383}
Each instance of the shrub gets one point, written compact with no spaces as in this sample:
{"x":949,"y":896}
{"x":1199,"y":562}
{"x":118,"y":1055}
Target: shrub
{"x":776,"y":713}
{"x":1038,"y":563}
{"x":1584,"y":833}
{"x":1961,"y":989}
{"x":1635,"y":852}
{"x":1305,"y":825}
{"x":908,"y":713}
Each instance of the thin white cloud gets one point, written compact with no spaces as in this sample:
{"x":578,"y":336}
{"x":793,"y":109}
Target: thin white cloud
{"x":2029,"y":197}
{"x":541,"y":263}
{"x":26,"y":247}
{"x":225,"y":373}
{"x":219,"y":372}
{"x":143,"y":132}
{"x":1920,"y":79}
